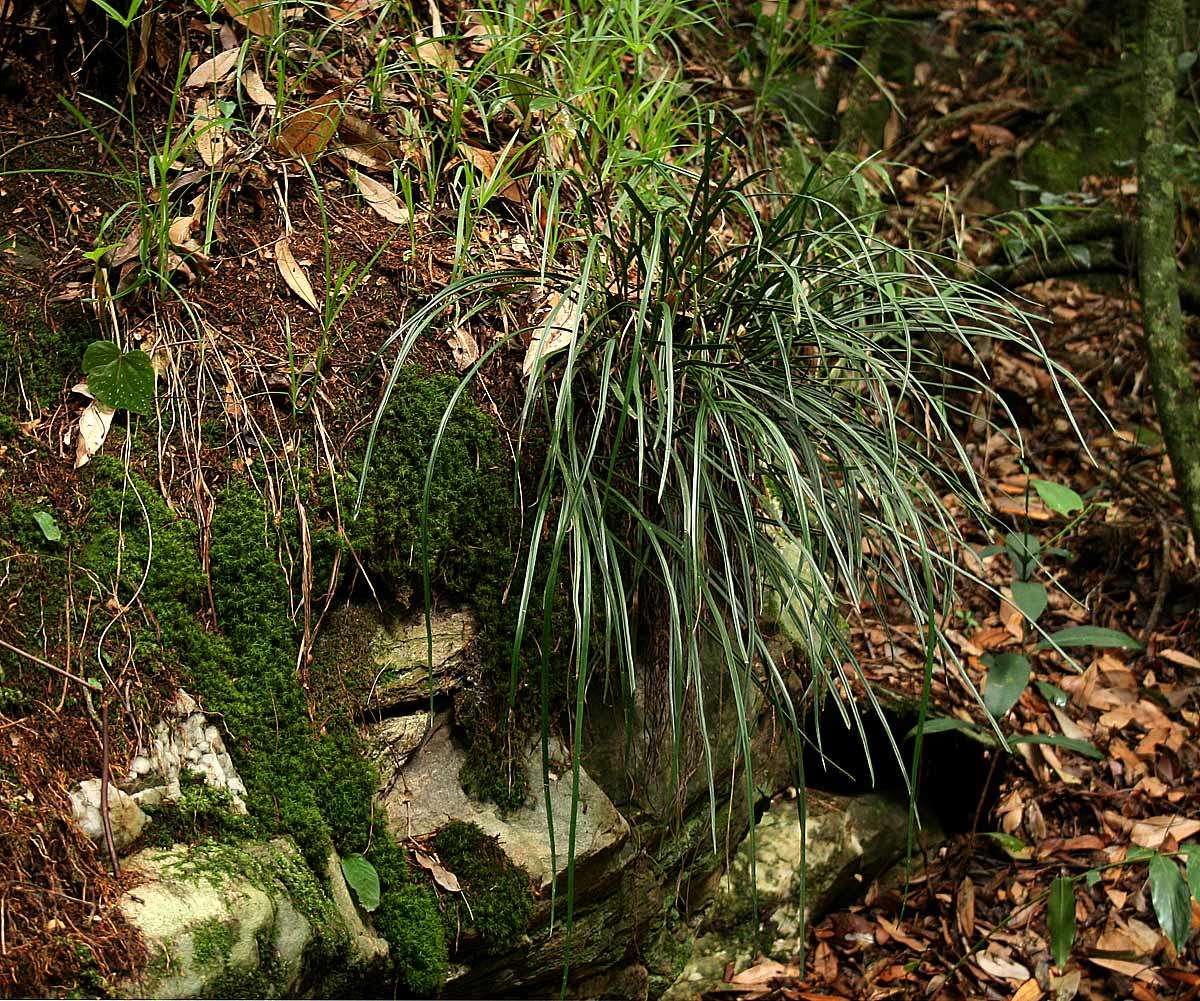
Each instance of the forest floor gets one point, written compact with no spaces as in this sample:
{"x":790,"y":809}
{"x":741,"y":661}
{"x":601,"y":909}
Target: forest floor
{"x":970,"y":128}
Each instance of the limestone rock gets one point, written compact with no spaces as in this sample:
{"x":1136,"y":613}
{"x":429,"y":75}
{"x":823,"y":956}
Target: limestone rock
{"x":184,"y":742}
{"x":399,"y":656}
{"x":847,"y":838}
{"x":394,"y":739}
{"x":228,"y":921}
{"x":426,"y":795}
{"x":126,"y":817}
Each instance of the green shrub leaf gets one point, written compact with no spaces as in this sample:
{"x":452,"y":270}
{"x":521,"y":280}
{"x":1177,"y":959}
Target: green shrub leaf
{"x":1074,"y":636}
{"x":1007,"y":677}
{"x":121,"y":380}
{"x":1023,"y":550}
{"x":45,"y":521}
{"x":1060,"y":919}
{"x":1172,"y":901}
{"x":1052,"y":693}
{"x":362,"y":879}
{"x":1013,"y":847}
{"x":1059,"y":499}
{"x":1030,"y":597}
{"x":1193,"y":868}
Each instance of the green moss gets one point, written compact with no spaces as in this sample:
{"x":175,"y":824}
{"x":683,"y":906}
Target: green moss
{"x":201,"y":812}
{"x":9,"y":429}
{"x":40,"y":357}
{"x":489,"y":773}
{"x":410,"y":921}
{"x":212,"y":941}
{"x":470,"y":501}
{"x":501,"y":900}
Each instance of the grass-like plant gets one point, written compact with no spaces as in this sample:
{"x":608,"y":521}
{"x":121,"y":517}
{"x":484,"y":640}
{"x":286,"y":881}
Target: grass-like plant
{"x":749,"y":415}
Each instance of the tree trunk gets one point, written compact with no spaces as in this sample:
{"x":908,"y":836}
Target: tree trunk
{"x":1170,"y":368}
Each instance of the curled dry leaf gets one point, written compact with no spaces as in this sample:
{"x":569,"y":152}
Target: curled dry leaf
{"x":212,"y":140}
{"x":1000,"y":967}
{"x":441,"y":875}
{"x":487,"y":163}
{"x":94,"y":423}
{"x":256,"y":90}
{"x":293,"y":274}
{"x":464,"y":348}
{"x":381,"y":198}
{"x":215,"y":70}
{"x":308,"y":132}
{"x":556,"y":334}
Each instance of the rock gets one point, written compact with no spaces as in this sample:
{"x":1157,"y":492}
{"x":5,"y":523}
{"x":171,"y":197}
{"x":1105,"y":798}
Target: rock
{"x":125,"y":815}
{"x":850,"y":840}
{"x":426,"y":795}
{"x":399,"y":656}
{"x":394,"y":739}
{"x":224,"y":920}
{"x":184,"y":742}
{"x":368,"y":947}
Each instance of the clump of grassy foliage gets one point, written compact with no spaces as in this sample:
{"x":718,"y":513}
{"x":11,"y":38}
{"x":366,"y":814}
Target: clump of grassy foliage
{"x":751,"y":418}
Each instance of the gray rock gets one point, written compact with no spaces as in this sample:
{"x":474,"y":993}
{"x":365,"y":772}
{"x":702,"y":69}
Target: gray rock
{"x":368,"y":947}
{"x":393,"y":740}
{"x":426,"y":795}
{"x":125,"y":815}
{"x":400,"y":657}
{"x":849,"y":840}
{"x":229,"y":920}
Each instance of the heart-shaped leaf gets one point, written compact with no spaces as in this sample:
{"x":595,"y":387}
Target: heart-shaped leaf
{"x":119,"y":379}
{"x":362,"y":879}
{"x":1023,"y":550}
{"x":1008,"y":674}
{"x":1030,"y":597}
{"x":1172,"y":901}
{"x":1060,"y":919}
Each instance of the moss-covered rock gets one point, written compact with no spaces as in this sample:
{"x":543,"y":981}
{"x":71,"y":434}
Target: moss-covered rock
{"x":411,"y":922}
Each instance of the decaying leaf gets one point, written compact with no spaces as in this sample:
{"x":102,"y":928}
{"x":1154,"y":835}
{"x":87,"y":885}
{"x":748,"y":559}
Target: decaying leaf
{"x":464,"y":348}
{"x":441,"y":875}
{"x":293,"y":274}
{"x":381,"y":198}
{"x":256,"y":90}
{"x":213,"y":142}
{"x":257,"y":16}
{"x":764,"y":972}
{"x":965,"y":907}
{"x":1001,"y":967}
{"x":556,"y":334}
{"x":431,"y":51}
{"x":94,"y":423}
{"x":308,"y":132}
{"x":365,"y":145}
{"x":487,"y":163}
{"x":1153,"y":831}
{"x":215,"y":70}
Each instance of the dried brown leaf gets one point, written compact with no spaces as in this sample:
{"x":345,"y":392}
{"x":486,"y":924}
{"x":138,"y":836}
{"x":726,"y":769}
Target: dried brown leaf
{"x":1153,"y":831}
{"x":557,"y":333}
{"x":381,"y":198}
{"x":431,"y":51}
{"x":293,"y":274}
{"x":213,"y":71}
{"x":255,"y":15}
{"x":213,"y":142}
{"x":441,"y":875}
{"x":256,"y":90}
{"x":464,"y":348}
{"x":94,"y":423}
{"x":307,"y":132}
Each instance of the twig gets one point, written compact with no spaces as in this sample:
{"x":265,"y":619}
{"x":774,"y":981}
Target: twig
{"x":108,"y":834}
{"x":46,"y":664}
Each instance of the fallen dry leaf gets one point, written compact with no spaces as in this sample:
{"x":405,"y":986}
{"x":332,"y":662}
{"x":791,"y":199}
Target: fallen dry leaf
{"x":381,"y":198}
{"x":1153,"y":831}
{"x":94,"y":423}
{"x":256,"y":90}
{"x":213,"y":71}
{"x":441,"y":875}
{"x":1180,"y":658}
{"x":1001,"y":967}
{"x":431,"y":51}
{"x":557,"y":333}
{"x":293,"y":274}
{"x":464,"y":349}
{"x":255,"y":15}
{"x":965,"y":907}
{"x":213,"y":143}
{"x":1028,"y":991}
{"x":763,"y":972}
{"x":308,"y":132}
